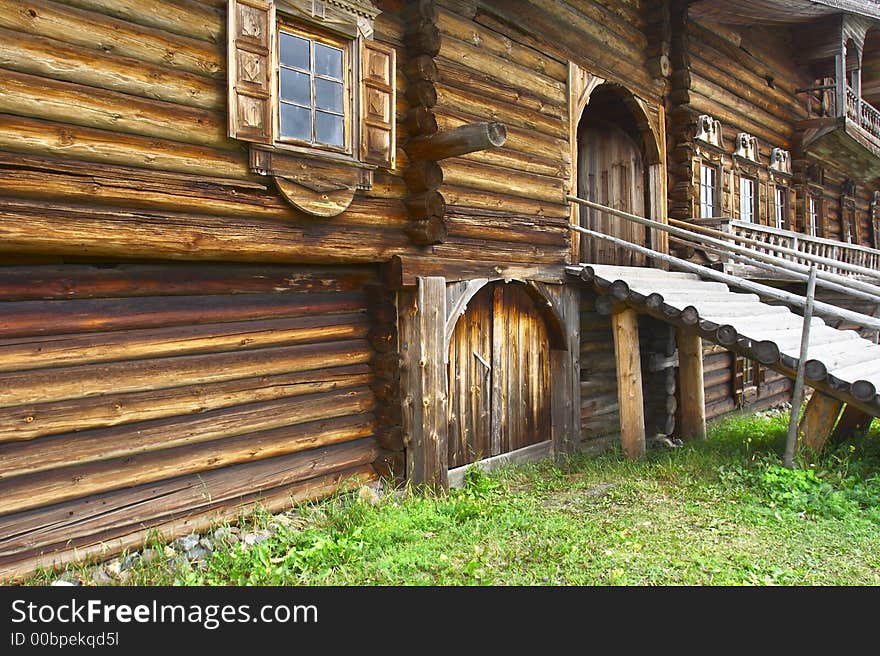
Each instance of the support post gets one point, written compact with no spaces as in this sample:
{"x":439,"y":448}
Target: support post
{"x":625,"y":328}
{"x":797,"y":396}
{"x":565,"y":384}
{"x":690,"y":373}
{"x":423,"y":382}
{"x":818,"y":421}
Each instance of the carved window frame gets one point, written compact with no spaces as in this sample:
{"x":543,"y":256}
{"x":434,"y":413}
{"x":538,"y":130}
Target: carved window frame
{"x":317,"y":179}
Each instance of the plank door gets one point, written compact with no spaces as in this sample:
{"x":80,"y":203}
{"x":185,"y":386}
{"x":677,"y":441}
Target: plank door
{"x":611,"y":172}
{"x":499,"y":376}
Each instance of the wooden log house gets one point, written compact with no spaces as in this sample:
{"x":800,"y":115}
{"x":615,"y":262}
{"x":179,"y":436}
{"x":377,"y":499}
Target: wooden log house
{"x":253,"y":251}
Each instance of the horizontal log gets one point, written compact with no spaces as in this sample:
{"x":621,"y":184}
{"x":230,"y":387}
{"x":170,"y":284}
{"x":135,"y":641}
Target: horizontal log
{"x":275,"y":416}
{"x":86,"y":28}
{"x":425,"y":205}
{"x":404,"y":270}
{"x":141,"y":375}
{"x":28,"y":135}
{"x":77,"y":481}
{"x":51,"y":228}
{"x":30,"y":353}
{"x":421,"y":67}
{"x":27,"y":318}
{"x":79,"y":281}
{"x":120,"y":539}
{"x":459,"y":198}
{"x":488,"y":225}
{"x":472,"y":249}
{"x":26,"y":422}
{"x":182,"y":17}
{"x":27,"y":95}
{"x":420,"y":121}
{"x":504,"y":71}
{"x":519,"y":144}
{"x":130,"y":509}
{"x":421,"y":92}
{"x":422,"y":39}
{"x":461,"y":172}
{"x":719,"y":408}
{"x":51,"y":58}
{"x":502,"y":108}
{"x":489,"y":41}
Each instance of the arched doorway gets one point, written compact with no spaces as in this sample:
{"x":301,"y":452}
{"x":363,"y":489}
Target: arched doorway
{"x":498,"y":374}
{"x":612,"y":164}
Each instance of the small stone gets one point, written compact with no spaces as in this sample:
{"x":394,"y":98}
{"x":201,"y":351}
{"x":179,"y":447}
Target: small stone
{"x":198,"y":553}
{"x":368,"y":495}
{"x":61,"y":582}
{"x":113,"y":568}
{"x":187,"y":542}
{"x":100,"y":577}
{"x":206,"y":543}
{"x":225,"y":535}
{"x":125,"y":576}
{"x":130,"y":561}
{"x":149,"y":555}
{"x":256,"y":537}
{"x":67,"y":578}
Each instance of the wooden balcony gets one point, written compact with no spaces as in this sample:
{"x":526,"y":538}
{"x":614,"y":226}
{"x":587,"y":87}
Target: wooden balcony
{"x":774,"y":239}
{"x":846,"y":133}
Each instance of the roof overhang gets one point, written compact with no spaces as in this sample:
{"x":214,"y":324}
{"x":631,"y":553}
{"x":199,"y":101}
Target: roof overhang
{"x":779,"y":12}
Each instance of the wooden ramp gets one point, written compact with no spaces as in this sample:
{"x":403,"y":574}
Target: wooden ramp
{"x":841,"y":365}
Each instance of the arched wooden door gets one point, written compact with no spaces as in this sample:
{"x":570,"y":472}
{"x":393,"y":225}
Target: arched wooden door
{"x":498,"y":375}
{"x":611,"y":172}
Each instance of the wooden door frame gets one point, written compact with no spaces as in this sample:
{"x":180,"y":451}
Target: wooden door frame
{"x":651,"y":120}
{"x":428,"y":314}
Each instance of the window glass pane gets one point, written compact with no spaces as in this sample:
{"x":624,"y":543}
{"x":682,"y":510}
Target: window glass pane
{"x":294,"y":51}
{"x":296,"y":122}
{"x":295,"y":87}
{"x":328,"y":95}
{"x":329,"y":129}
{"x":328,"y":61}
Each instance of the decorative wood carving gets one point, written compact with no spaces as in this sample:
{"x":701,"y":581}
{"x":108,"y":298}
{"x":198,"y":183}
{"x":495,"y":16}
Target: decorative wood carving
{"x":709,"y":130}
{"x":746,"y":146}
{"x":780,"y":160}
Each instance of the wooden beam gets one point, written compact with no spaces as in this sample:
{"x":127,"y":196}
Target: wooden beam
{"x":423,"y":382}
{"x":625,"y":327}
{"x":818,"y":421}
{"x":457,"y":141}
{"x":851,"y":420}
{"x":690,"y":372}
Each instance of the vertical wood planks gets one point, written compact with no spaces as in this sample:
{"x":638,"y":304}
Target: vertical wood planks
{"x":423,"y":380}
{"x":629,"y":382}
{"x":693,"y":405}
{"x":818,"y":421}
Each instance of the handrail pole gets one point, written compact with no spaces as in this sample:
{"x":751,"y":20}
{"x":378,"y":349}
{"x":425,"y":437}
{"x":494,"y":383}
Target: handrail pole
{"x":798,"y":393}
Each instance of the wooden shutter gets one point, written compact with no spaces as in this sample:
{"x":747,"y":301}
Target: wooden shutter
{"x":764,"y":202}
{"x":377,"y":106}
{"x":251,"y":69}
{"x":791,"y":219}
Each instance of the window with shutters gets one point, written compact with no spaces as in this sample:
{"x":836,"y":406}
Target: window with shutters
{"x":814,"y":215}
{"x":314,"y":95}
{"x":748,"y":199}
{"x":780,"y":207}
{"x":708,"y":191}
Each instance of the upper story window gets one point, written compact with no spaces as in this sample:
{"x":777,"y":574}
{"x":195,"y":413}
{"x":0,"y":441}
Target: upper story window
{"x":814,"y":210}
{"x":313,"y":90}
{"x":314,"y":93}
{"x":780,"y":207}
{"x":708,"y":191}
{"x":748,"y":199}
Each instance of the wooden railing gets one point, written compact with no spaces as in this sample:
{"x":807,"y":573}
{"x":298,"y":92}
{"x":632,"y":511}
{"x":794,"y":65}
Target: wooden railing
{"x":821,"y":101}
{"x":775,"y":239}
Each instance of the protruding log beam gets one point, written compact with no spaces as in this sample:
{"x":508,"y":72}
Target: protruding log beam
{"x":629,"y":382}
{"x":421,"y":92}
{"x":422,"y":67}
{"x":690,"y":371}
{"x":423,"y":39}
{"x":818,"y":421}
{"x":726,"y":335}
{"x":462,"y":140}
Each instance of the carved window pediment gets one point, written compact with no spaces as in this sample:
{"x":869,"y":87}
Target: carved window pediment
{"x":780,"y":161}
{"x":315,"y":96}
{"x":746,"y":146}
{"x":709,"y":130}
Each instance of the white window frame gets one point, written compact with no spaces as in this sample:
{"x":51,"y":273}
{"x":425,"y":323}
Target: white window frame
{"x":752,"y":204}
{"x":780,"y":206}
{"x":813,"y":208}
{"x":708,"y":186}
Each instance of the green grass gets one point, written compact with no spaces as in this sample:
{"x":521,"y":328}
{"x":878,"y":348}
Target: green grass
{"x":721,"y":512}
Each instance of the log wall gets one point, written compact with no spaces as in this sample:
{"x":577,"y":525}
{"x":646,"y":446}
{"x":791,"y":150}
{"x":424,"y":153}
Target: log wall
{"x":144,"y":395}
